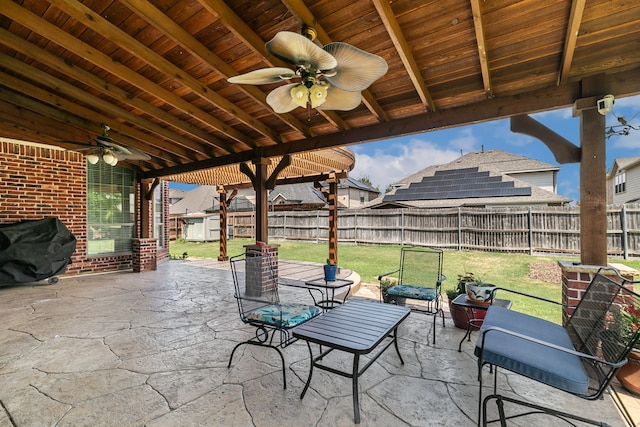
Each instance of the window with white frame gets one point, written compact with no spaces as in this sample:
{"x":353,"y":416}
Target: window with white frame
{"x":158,"y":215}
{"x":620,"y":182}
{"x":110,"y":209}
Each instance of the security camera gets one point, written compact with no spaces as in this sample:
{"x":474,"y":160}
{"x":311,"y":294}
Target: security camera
{"x":605,"y":105}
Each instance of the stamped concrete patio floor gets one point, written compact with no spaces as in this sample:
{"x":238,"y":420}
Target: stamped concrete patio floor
{"x":127,"y":349}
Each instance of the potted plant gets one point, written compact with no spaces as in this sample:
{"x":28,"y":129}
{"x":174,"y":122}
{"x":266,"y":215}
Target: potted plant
{"x":457,"y":313}
{"x":385,"y":284}
{"x":627,"y":322}
{"x":480,"y":292}
{"x":330,"y":271}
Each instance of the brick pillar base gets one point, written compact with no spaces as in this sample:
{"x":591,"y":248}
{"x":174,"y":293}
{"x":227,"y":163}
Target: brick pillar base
{"x":259,"y":277}
{"x":144,"y":255}
{"x":576,"y":278}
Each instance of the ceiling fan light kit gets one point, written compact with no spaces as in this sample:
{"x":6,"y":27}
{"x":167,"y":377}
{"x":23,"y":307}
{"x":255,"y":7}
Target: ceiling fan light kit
{"x":331,"y":77}
{"x":110,"y":152}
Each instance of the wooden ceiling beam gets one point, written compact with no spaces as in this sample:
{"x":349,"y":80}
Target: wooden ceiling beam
{"x":69,"y":113}
{"x":176,"y":33}
{"x":56,"y":85}
{"x":304,"y":15}
{"x":59,"y":64}
{"x":404,"y":51}
{"x":482,"y":48}
{"x":83,"y":14}
{"x":47,"y":30}
{"x":575,"y":18}
{"x":549,"y":98}
{"x":243,"y":32}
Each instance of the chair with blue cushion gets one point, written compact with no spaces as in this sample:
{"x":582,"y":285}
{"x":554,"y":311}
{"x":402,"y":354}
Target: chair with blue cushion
{"x":580,"y":358}
{"x":419,"y":277}
{"x":255,"y":280}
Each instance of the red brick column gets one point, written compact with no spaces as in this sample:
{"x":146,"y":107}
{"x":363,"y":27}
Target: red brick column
{"x":144,"y":256}
{"x":576,"y":278}
{"x":259,"y":276}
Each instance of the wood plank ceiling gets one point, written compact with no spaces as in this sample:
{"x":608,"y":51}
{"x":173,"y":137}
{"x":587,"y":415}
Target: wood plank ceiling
{"x":155,"y":72}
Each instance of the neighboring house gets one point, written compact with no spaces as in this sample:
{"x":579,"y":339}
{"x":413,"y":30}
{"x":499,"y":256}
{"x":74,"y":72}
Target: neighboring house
{"x":355,"y":194}
{"x":491,"y":178}
{"x":290,"y":197}
{"x":623,"y":181}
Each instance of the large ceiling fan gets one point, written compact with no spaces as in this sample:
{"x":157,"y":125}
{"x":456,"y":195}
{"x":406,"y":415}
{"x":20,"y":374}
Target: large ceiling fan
{"x":331,"y":77}
{"x":108,"y":151}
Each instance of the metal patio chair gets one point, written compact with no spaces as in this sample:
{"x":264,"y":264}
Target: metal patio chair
{"x":580,"y":358}
{"x":419,"y":277}
{"x":255,"y":281}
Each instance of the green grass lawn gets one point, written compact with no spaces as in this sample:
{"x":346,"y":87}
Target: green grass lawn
{"x":502,"y":269}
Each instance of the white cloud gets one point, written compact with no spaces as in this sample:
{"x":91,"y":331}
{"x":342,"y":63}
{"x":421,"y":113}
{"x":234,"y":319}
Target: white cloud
{"x":394,"y":160}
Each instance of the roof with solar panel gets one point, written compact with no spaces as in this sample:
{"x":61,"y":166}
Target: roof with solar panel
{"x":484,"y":178}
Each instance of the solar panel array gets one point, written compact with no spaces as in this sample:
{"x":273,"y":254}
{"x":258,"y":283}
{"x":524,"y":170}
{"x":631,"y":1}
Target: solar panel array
{"x":458,"y":184}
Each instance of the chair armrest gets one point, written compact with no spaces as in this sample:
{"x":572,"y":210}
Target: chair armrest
{"x":581,"y":355}
{"x":530,"y":296}
{"x":387,"y":274}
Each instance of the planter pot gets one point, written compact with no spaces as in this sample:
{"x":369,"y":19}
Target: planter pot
{"x":629,"y":374}
{"x":480,"y":294}
{"x":460,"y":318}
{"x":330,"y":272}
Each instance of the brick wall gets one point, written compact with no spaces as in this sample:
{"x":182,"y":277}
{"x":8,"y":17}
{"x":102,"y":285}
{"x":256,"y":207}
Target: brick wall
{"x":39,"y":182}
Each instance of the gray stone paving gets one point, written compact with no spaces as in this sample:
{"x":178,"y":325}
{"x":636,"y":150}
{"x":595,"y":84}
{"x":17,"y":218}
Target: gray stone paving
{"x":127,"y":349}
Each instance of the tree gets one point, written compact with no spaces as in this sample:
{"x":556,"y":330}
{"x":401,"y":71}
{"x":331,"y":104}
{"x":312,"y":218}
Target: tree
{"x":366,"y":180}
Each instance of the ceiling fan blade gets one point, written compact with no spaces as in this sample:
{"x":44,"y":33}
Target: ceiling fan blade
{"x":263,"y":76}
{"x":342,"y":100}
{"x":134,"y":154}
{"x":356,"y":69}
{"x":280,"y":99}
{"x":113,"y":146}
{"x":299,"y":50}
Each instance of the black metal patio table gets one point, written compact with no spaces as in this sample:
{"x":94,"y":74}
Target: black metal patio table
{"x":328,"y":299}
{"x":356,"y":327}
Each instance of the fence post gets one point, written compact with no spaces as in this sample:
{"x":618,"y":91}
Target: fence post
{"x":530,"y":219}
{"x":355,"y":227}
{"x":625,"y":237}
{"x":459,"y":229}
{"x":317,"y":226}
{"x":402,"y":227}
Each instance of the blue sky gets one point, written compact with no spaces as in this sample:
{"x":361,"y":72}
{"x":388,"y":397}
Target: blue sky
{"x":388,"y":161}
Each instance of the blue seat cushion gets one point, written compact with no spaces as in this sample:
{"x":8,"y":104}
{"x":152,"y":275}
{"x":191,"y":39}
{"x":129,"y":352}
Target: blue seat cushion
{"x":414,"y":292}
{"x":547,"y":365}
{"x":284,"y":315}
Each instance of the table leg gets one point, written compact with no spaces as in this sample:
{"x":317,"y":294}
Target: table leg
{"x":306,"y":386}
{"x":468,"y":333}
{"x":356,"y":404}
{"x":395,"y":343}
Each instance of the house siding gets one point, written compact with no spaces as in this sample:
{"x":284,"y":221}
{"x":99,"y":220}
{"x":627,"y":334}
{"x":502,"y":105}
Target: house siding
{"x":632,"y":191}
{"x":545,"y":180}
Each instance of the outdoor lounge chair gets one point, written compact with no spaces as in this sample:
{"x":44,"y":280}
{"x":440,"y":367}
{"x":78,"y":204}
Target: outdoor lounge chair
{"x":419,"y":277}
{"x":255,"y":281}
{"x":580,"y":358}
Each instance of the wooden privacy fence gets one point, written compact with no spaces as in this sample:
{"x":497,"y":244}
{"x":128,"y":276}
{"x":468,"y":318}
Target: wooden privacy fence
{"x":553,"y":230}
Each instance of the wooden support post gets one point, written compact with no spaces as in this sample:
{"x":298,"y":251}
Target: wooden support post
{"x":332,"y":199}
{"x":222,"y":196}
{"x":260,"y":186}
{"x":224,"y":206}
{"x":593,"y":190}
{"x":146,"y":208}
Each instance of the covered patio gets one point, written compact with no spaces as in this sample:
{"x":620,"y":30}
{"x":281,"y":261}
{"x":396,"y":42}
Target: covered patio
{"x":152,"y":349}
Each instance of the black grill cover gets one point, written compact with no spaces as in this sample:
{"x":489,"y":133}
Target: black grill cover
{"x":34,"y":250}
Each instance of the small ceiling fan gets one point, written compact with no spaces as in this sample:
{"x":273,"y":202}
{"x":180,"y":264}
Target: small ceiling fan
{"x":331,"y":77}
{"x":107,"y":150}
